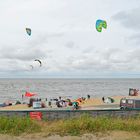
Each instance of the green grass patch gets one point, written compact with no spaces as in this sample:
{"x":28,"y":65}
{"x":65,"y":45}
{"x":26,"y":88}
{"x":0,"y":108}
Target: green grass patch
{"x":74,"y":126}
{"x":18,"y":125}
{"x":88,"y":124}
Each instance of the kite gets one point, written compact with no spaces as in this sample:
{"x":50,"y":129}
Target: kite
{"x":28,"y":31}
{"x":100,"y":24}
{"x":39,"y":62}
{"x":104,"y":24}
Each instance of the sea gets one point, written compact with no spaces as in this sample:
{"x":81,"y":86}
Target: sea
{"x":13,"y":89}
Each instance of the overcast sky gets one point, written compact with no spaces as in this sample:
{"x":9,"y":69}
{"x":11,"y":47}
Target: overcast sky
{"x":65,"y":39}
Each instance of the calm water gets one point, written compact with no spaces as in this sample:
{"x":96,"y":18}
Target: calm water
{"x":13,"y":88}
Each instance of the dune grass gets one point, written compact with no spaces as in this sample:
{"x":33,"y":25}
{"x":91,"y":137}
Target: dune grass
{"x":88,"y":124}
{"x":75,"y":126}
{"x":17,"y":125}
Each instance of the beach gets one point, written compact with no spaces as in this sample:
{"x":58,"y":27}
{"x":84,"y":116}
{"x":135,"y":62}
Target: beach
{"x":89,"y":104}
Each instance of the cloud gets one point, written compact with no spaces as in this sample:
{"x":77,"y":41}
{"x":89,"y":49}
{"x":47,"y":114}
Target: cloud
{"x":42,"y":39}
{"x":19,"y":56}
{"x":70,"y":44}
{"x":111,"y":59}
{"x":134,"y":39}
{"x":129,"y":19}
{"x":24,"y":54}
{"x":88,"y":49}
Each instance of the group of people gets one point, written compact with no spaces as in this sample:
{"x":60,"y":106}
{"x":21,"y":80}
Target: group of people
{"x":59,"y":102}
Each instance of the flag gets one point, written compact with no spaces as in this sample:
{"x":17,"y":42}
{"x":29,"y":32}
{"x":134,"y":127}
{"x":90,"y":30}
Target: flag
{"x":29,"y":94}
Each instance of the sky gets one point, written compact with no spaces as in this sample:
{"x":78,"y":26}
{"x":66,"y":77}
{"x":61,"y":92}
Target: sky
{"x":65,"y":39}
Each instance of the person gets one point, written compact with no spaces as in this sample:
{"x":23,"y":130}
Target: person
{"x":31,"y":102}
{"x":64,"y":104}
{"x":103,"y":99}
{"x":70,"y":103}
{"x":58,"y":104}
{"x":22,"y":96}
{"x":75,"y":105}
{"x":50,"y":104}
{"x":59,"y":98}
{"x":83,"y":98}
{"x":43,"y":105}
{"x":88,"y":96}
{"x":46,"y":102}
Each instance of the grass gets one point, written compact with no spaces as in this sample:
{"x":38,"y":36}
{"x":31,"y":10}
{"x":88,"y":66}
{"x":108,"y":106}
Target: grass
{"x":75,"y":126}
{"x":17,"y":126}
{"x":87,"y":124}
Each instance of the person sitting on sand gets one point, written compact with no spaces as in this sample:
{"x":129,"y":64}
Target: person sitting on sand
{"x":83,"y":98}
{"x":70,"y":103}
{"x":50,"y":104}
{"x":58,"y":104}
{"x":43,"y":105}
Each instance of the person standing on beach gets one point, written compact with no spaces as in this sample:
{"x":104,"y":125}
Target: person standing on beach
{"x":88,"y":96}
{"x":60,"y":98}
{"x":46,"y":102}
{"x":22,"y":97}
{"x":103,"y":99}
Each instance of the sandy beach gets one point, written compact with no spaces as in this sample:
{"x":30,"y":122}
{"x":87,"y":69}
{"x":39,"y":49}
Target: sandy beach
{"x":89,"y":104}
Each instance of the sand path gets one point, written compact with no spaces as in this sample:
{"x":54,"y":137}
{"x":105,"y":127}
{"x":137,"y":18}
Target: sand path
{"x":115,"y":135}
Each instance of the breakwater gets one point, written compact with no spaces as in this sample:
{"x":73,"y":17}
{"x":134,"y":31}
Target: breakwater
{"x":64,"y":114}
